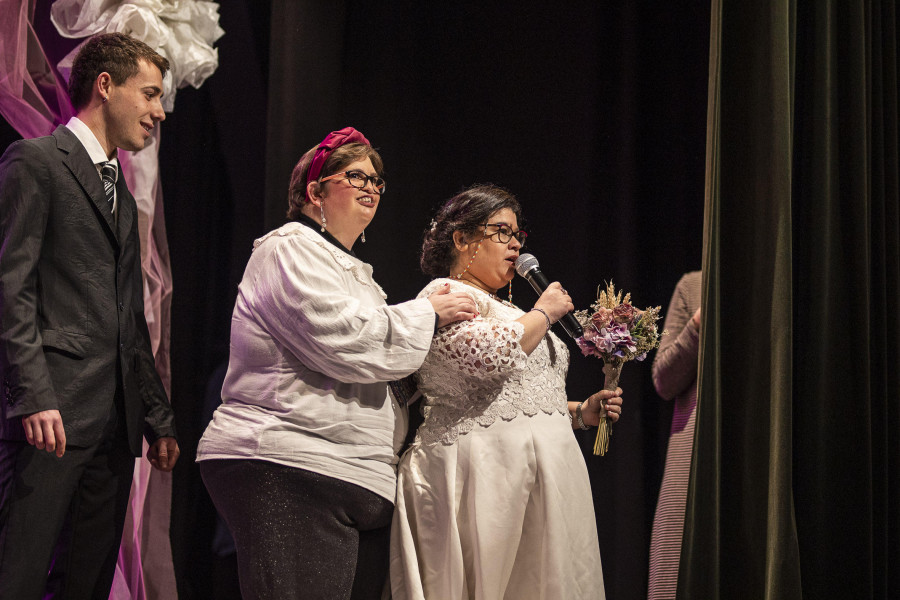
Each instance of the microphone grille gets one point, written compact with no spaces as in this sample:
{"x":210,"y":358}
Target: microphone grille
{"x":525,"y":263}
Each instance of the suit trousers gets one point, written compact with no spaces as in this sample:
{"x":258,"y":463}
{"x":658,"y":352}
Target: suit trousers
{"x":61,"y":519}
{"x":301,"y":534}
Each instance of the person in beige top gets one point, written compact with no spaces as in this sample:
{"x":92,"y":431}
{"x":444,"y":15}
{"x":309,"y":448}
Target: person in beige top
{"x":675,"y":378}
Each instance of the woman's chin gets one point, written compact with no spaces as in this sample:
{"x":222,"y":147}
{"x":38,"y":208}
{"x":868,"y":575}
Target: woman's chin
{"x":501,"y":282}
{"x":367,"y":217}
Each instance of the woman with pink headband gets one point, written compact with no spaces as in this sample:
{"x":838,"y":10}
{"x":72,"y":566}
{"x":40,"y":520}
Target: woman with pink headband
{"x":300,"y":458}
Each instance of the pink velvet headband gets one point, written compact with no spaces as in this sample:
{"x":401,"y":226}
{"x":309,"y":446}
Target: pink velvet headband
{"x":332,"y":142}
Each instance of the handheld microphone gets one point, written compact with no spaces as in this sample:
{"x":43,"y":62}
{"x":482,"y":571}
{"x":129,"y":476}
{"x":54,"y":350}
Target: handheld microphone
{"x":527,"y":266}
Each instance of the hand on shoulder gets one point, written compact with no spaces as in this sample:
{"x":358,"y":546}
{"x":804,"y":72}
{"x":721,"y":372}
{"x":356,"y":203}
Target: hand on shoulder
{"x":452,"y":306}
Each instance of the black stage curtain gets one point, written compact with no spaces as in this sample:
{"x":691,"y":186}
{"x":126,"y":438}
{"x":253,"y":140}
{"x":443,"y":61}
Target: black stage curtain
{"x":795,"y":477}
{"x":212,"y":160}
{"x":592,"y":113}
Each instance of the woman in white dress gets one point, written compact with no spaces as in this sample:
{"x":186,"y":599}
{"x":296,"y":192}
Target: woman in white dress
{"x":493,"y":496}
{"x":300,"y":457}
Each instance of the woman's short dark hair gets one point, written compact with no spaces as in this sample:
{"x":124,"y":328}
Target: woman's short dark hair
{"x":337,"y":161}
{"x":115,"y":53}
{"x":466,"y":212}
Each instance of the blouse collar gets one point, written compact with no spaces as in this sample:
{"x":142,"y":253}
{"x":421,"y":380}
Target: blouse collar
{"x":317,"y":227}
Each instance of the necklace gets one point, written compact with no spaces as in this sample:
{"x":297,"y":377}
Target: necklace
{"x":493,"y":296}
{"x":459,"y":277}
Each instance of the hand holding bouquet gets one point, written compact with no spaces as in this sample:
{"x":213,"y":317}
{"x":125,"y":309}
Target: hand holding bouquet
{"x":616,"y":332}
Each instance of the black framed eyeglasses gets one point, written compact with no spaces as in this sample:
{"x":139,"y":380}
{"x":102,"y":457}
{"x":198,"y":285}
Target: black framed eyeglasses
{"x":504,"y":233}
{"x":358,"y":179}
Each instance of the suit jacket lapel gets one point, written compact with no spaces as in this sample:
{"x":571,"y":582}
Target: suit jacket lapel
{"x":79,"y":163}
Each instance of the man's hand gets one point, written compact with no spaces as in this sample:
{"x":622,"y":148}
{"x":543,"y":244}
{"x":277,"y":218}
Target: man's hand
{"x":163,"y":454}
{"x":44,"y":430}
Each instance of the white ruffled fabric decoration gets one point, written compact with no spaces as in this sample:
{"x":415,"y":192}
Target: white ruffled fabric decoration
{"x":183,"y":31}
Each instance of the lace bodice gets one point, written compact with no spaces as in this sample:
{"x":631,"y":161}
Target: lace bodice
{"x":476,"y":371}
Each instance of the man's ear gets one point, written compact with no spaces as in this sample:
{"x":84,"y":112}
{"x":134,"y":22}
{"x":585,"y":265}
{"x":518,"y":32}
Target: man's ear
{"x":102,"y":85}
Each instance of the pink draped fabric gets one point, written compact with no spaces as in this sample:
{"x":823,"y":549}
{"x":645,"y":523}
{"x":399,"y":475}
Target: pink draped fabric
{"x":33,"y":100}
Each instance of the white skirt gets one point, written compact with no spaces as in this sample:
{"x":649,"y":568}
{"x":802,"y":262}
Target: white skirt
{"x":505,"y":512}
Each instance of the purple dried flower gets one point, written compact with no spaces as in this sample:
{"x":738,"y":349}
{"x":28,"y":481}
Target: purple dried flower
{"x":616,"y":340}
{"x":588,"y":347}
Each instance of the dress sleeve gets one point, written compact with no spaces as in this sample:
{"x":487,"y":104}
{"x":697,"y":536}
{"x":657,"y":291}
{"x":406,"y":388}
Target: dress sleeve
{"x":675,"y":363}
{"x":301,"y":299}
{"x":485,"y":350}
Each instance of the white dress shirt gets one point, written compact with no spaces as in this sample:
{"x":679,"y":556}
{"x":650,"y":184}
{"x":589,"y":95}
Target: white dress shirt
{"x":94,"y":150}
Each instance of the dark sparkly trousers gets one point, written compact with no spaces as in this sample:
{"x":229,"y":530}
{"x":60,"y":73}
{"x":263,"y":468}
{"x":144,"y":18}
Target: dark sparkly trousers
{"x":300,"y":534}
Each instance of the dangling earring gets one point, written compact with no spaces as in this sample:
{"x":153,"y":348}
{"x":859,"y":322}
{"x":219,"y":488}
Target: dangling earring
{"x":509,"y":298}
{"x":324,"y":222}
{"x":363,"y":237}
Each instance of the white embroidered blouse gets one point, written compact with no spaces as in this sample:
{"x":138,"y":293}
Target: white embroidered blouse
{"x":477,"y":372}
{"x":313,"y":344}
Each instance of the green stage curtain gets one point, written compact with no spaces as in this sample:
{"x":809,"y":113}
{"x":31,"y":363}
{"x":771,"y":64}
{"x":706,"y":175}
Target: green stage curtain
{"x":795,"y":482}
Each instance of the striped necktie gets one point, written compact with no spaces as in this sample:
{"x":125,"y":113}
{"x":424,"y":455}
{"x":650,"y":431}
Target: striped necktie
{"x":108,"y":173}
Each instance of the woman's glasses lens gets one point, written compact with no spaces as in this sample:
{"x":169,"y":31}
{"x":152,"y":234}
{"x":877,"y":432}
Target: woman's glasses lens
{"x":358,"y":179}
{"x":503,"y":234}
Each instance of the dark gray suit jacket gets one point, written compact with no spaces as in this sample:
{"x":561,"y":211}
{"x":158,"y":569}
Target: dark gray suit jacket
{"x":72,"y":327}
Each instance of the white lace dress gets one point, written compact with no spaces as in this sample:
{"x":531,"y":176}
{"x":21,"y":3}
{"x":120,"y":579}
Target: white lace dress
{"x":493,"y":497}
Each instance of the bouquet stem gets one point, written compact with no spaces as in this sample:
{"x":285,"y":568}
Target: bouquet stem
{"x":611,"y":371}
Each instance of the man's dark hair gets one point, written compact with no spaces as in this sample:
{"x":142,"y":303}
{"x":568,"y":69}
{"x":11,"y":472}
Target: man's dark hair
{"x":115,"y":53}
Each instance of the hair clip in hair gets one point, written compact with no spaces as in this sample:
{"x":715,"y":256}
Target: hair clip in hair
{"x":433,"y":225}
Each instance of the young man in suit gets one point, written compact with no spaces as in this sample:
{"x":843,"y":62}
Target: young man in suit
{"x":77,"y":374}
